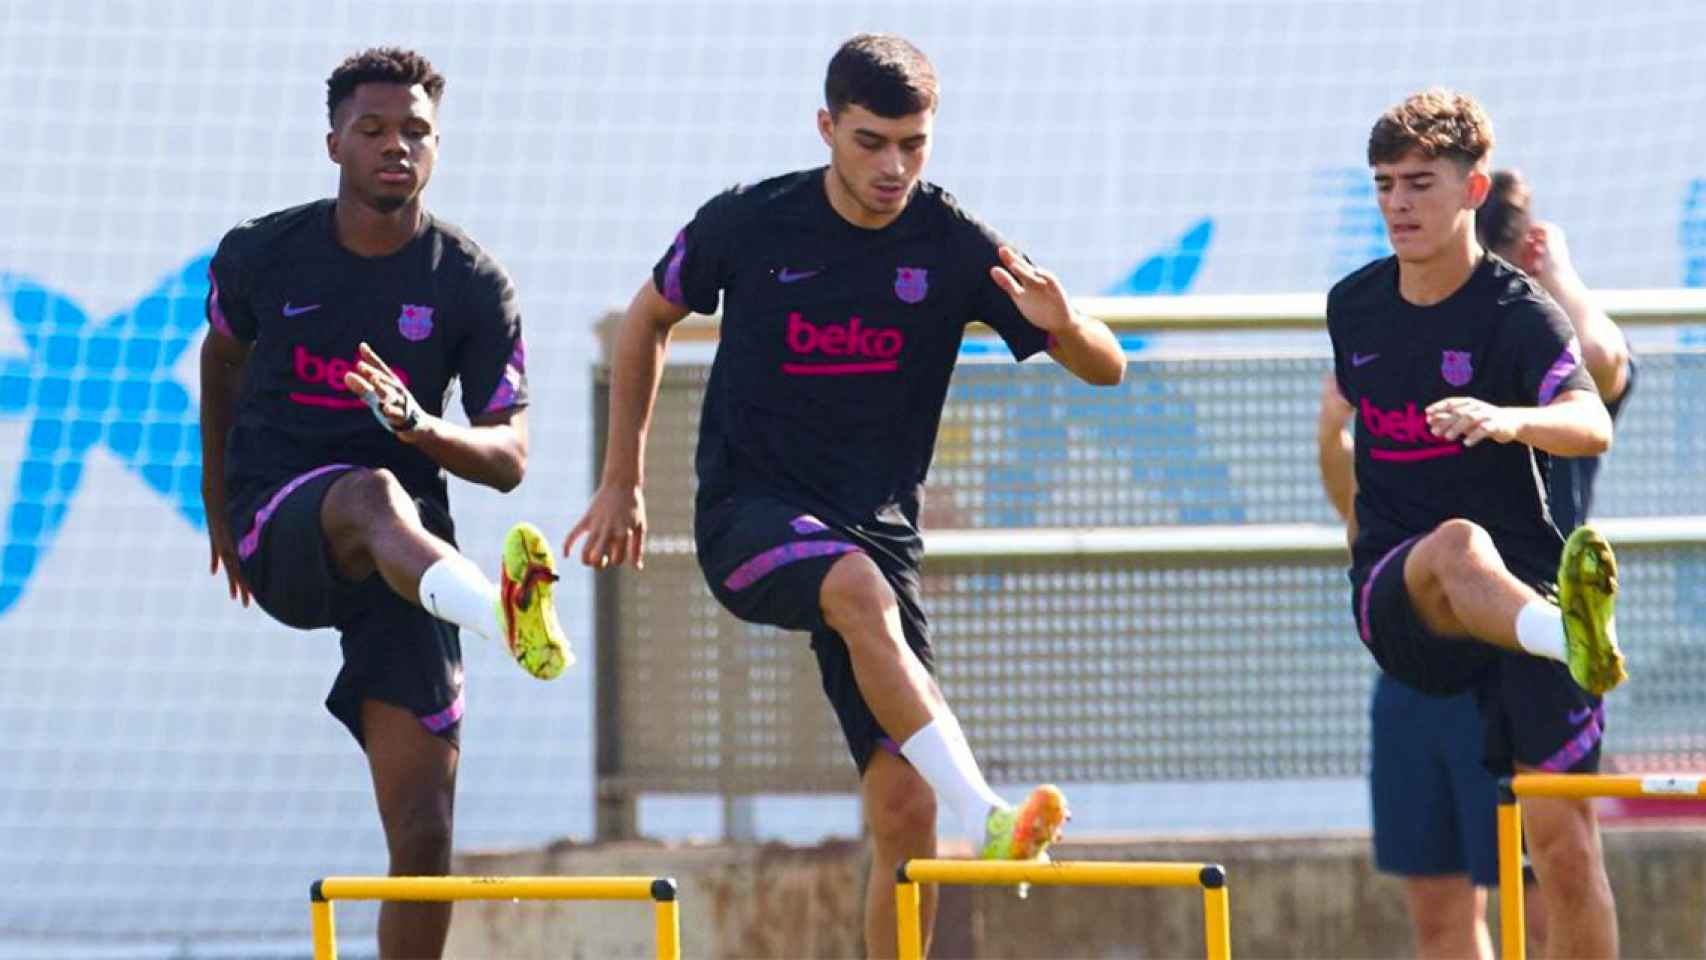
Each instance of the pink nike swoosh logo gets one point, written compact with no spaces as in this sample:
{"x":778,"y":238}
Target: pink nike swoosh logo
{"x":1358,"y":359}
{"x":290,"y":311}
{"x":785,"y":275}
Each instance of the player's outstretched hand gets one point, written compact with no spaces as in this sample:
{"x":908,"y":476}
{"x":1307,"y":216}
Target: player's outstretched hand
{"x":1035,"y":291}
{"x":1472,"y":420}
{"x":615,"y":529}
{"x":1546,"y":254}
{"x":384,"y":393}
{"x":223,"y":550}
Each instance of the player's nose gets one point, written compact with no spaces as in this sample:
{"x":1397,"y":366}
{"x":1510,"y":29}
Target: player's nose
{"x":894,"y":162}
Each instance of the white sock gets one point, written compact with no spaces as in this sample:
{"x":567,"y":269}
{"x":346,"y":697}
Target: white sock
{"x":1540,"y":629}
{"x":941,"y":755}
{"x":454,"y":589}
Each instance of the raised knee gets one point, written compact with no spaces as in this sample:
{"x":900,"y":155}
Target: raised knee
{"x":1460,"y":535}
{"x":375,"y":486}
{"x":854,"y":594}
{"x":903,"y":815}
{"x":1455,"y":549}
{"x":369,"y":497}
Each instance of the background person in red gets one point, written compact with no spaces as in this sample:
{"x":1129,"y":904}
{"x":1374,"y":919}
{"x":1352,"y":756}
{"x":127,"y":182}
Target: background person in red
{"x":336,"y":330}
{"x":845,"y":293}
{"x":1466,"y":379}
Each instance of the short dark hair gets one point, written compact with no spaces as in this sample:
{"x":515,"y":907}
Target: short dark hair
{"x":380,"y":65}
{"x":883,"y":73}
{"x":1438,"y":123}
{"x":1504,"y":218}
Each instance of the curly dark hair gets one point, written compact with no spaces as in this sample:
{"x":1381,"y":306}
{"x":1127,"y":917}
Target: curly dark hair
{"x":1438,"y":123}
{"x":883,"y":73}
{"x":380,"y":65}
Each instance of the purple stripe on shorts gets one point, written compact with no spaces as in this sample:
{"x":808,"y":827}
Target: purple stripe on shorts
{"x":1580,"y":745}
{"x":889,"y":746}
{"x":442,"y":720}
{"x":1562,"y":367}
{"x":762,"y":565}
{"x":1368,"y":586}
{"x":672,"y":273}
{"x":215,"y":315}
{"x":806,"y":523}
{"x":252,"y":541}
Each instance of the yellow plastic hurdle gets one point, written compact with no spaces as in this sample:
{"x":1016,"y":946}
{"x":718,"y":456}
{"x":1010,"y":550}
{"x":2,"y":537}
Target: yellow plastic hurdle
{"x":1574,"y":786}
{"x":660,"y":890}
{"x":1211,"y":877}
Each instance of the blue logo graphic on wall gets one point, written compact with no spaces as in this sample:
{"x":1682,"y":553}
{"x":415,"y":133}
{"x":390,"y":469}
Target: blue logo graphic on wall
{"x":87,"y":383}
{"x":1055,"y":429}
{"x":1171,"y":270}
{"x":1692,"y":233}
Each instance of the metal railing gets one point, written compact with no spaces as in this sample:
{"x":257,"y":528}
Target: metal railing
{"x":1135,"y":583}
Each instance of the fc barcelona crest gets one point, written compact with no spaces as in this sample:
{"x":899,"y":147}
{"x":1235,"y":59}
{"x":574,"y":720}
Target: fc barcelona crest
{"x":415,"y":322}
{"x":911,"y":284}
{"x":1455,"y":367}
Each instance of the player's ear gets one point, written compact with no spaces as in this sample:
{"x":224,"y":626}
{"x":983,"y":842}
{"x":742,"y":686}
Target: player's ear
{"x":1480,"y":184}
{"x":826,"y":127}
{"x":332,"y":146}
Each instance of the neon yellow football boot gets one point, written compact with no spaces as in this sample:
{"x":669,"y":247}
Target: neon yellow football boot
{"x":1587,"y":594}
{"x":525,"y":609}
{"x":1025,"y":832}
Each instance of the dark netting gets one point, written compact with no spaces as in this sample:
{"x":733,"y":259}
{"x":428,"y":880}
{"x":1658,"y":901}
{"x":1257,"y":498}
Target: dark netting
{"x":1117,"y":668}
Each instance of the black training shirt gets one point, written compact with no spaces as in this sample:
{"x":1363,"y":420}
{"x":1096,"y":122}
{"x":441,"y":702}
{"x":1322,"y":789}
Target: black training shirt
{"x":1498,"y":338}
{"x":837,"y":343}
{"x":436,"y":311}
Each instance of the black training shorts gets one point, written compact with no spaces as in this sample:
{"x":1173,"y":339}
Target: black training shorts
{"x":765,"y":562}
{"x":394,"y":651}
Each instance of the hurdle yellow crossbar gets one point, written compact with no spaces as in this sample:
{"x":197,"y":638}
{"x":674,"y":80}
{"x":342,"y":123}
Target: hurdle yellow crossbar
{"x":1211,"y":877}
{"x":1578,"y":786}
{"x":660,"y":890}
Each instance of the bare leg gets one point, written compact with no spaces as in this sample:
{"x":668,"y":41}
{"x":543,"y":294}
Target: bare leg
{"x":371,"y":524}
{"x":414,"y":781}
{"x":1534,"y":917}
{"x":901,"y":812}
{"x":1460,"y":587}
{"x":1449,"y":916}
{"x":1563,"y":842}
{"x":905,"y":701}
{"x":859,"y":605}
